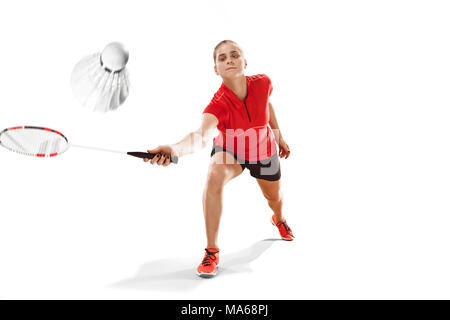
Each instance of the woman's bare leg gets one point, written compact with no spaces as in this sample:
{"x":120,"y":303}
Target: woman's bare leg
{"x":223,"y":167}
{"x":272,"y":192}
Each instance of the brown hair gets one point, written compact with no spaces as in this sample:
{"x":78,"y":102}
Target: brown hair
{"x":223,"y":42}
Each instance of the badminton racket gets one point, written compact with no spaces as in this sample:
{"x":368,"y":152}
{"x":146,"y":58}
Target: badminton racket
{"x":45,"y":142}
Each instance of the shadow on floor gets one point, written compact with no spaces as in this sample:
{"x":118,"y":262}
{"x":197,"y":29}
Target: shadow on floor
{"x":180,"y":274}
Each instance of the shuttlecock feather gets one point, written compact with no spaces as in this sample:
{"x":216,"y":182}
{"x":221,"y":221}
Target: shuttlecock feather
{"x":100,"y":81}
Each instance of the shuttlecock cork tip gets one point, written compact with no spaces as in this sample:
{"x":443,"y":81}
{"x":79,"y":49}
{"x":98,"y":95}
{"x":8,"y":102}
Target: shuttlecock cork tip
{"x":114,"y":57}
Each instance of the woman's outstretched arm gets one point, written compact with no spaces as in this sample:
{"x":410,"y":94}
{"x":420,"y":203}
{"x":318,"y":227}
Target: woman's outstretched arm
{"x":191,"y":143}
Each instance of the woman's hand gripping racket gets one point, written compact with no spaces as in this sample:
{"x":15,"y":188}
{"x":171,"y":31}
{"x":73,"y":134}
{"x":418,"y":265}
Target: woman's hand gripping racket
{"x":45,"y":142}
{"x":163,"y":156}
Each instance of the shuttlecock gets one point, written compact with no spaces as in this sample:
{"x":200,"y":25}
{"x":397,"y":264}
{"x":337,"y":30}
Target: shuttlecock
{"x":100,"y":81}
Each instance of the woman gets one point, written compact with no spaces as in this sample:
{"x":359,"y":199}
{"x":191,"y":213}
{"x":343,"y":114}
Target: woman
{"x":241,"y":111}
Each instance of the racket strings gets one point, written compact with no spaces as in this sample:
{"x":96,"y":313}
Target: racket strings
{"x":12,"y":143}
{"x":38,"y":142}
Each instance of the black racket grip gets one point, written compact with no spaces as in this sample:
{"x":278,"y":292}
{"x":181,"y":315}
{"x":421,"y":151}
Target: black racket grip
{"x":146,"y":155}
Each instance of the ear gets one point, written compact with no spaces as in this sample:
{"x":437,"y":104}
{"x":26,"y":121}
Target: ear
{"x":215,"y":69}
{"x":245,"y":63}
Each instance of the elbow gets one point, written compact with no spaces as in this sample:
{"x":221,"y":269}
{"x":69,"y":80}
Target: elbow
{"x":200,"y":140}
{"x":205,"y":140}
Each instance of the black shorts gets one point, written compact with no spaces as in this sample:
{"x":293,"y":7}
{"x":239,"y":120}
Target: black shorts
{"x":268,"y":169}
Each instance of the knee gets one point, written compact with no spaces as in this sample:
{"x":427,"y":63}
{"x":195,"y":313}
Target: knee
{"x":215,"y":181}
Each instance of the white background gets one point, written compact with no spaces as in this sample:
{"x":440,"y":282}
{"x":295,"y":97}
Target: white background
{"x":361,"y":92}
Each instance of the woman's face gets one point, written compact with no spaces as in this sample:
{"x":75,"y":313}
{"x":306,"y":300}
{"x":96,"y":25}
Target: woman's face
{"x":230,"y":62}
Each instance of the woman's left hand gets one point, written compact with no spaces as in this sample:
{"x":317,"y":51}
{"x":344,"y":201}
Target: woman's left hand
{"x":284,"y":149}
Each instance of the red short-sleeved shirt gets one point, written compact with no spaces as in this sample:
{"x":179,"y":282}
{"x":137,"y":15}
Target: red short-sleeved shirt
{"x":243,"y":125}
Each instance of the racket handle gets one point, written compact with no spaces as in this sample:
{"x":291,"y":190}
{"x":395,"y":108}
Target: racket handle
{"x":146,"y":155}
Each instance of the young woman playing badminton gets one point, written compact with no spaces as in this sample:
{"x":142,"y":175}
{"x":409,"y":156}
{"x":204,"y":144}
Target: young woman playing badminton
{"x":241,"y":111}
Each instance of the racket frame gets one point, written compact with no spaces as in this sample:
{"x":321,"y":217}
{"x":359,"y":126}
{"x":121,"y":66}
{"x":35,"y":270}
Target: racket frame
{"x":40,"y":155}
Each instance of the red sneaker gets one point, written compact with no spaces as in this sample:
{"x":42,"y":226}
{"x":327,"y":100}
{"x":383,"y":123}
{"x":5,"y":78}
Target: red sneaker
{"x":283,"y":228}
{"x":209,"y":265}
